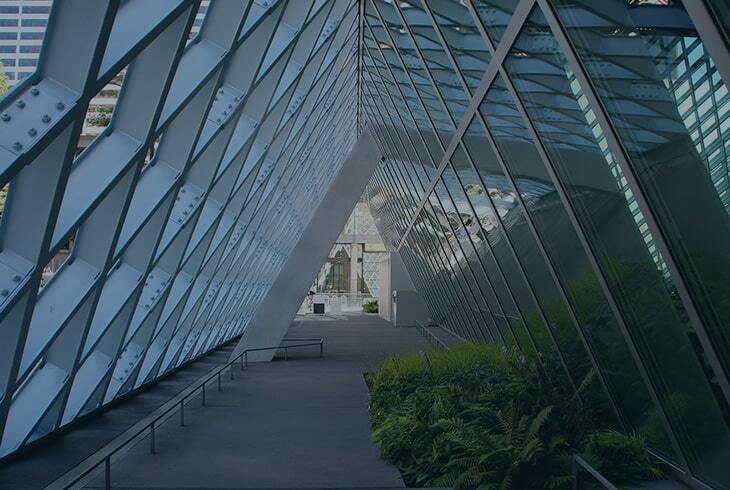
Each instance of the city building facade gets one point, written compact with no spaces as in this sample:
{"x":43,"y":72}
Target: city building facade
{"x":350,"y":277}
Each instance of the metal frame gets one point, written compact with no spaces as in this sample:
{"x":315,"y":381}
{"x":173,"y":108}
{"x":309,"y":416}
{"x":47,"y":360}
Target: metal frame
{"x":90,"y":467}
{"x":249,"y":123}
{"x":171,"y":254}
{"x":403,"y":228}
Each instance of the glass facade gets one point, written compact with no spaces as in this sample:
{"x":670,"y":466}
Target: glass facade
{"x":556,"y":178}
{"x":555,"y":175}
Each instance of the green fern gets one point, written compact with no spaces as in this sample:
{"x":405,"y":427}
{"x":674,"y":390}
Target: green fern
{"x":477,"y":416}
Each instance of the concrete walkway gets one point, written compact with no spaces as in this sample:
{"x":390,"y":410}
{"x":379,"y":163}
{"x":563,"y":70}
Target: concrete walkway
{"x":48,"y":461}
{"x":296,"y":424}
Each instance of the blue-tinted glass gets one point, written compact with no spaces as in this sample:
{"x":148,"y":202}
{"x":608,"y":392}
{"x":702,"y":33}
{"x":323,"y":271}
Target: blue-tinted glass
{"x":502,"y":216}
{"x":595,"y":187}
{"x":571,"y":264}
{"x":440,"y":70}
{"x":495,"y":15}
{"x":421,"y":96}
{"x":461,"y":35}
{"x":34,"y":22}
{"x":670,"y":108}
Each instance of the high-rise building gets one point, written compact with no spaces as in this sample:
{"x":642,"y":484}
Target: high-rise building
{"x":22,"y":27}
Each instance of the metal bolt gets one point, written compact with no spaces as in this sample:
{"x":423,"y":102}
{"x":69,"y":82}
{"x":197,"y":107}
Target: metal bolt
{"x":5,"y":117}
{"x":35,"y":91}
{"x":17,"y":146}
{"x":60,"y":106}
{"x":20,"y":104}
{"x":4,"y":292}
{"x":32,"y":132}
{"x":218,"y":120}
{"x":16,"y":278}
{"x":46,"y":118}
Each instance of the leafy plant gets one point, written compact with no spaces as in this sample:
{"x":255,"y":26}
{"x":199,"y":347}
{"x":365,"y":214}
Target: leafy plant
{"x":370,"y":306}
{"x":620,"y":458}
{"x":480,"y":415}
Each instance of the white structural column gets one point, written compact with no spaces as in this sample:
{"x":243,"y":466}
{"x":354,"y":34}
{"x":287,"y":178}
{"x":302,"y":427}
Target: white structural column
{"x":355,"y":266}
{"x":276,"y":311}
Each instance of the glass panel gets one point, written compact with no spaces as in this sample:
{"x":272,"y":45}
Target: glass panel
{"x":439,"y":222}
{"x":598,"y":194}
{"x":433,"y":252}
{"x":489,"y":191}
{"x":571,"y":265}
{"x":488,"y":303}
{"x":393,"y":127}
{"x":415,"y":84}
{"x":437,"y":61}
{"x":463,"y":39}
{"x":511,"y":323}
{"x":670,"y":108}
{"x":495,"y":15}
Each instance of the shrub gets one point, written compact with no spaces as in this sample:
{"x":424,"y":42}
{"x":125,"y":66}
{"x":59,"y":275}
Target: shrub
{"x":370,"y":306}
{"x":620,"y":458}
{"x":481,"y":415}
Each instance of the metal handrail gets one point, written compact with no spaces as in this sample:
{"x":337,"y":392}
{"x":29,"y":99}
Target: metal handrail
{"x":149,"y":423}
{"x":580,"y":463}
{"x":285,"y":348}
{"x":431,"y":337}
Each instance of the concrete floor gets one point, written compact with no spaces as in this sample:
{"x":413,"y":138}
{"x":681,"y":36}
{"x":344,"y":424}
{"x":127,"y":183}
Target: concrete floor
{"x":302,"y":423}
{"x":48,"y":461}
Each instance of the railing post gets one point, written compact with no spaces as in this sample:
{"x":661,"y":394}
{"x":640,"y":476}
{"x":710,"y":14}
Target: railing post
{"x":286,"y":354}
{"x":219,"y":381}
{"x":245,"y":358}
{"x":152,"y":438}
{"x":182,"y":413}
{"x":321,"y":349}
{"x":241,"y":363}
{"x":203,"y":388}
{"x":108,"y":473}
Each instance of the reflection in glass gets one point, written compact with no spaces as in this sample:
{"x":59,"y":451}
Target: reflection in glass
{"x":658,"y":325}
{"x":572,"y":266}
{"x":669,"y":107}
{"x":462,"y":37}
{"x":495,"y":15}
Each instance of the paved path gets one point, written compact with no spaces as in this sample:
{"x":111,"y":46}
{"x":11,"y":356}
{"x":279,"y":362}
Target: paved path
{"x":51,"y":459}
{"x":296,"y":424}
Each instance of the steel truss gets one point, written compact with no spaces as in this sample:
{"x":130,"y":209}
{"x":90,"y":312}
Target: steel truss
{"x":249,"y":122}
